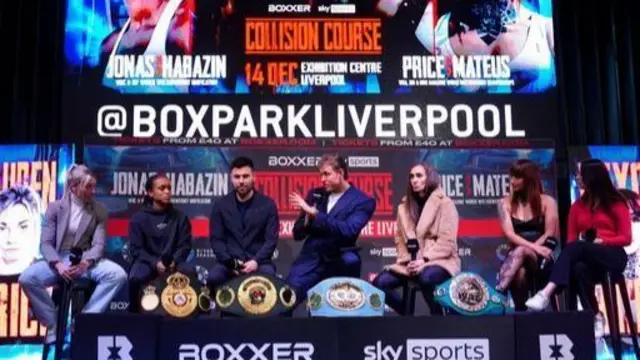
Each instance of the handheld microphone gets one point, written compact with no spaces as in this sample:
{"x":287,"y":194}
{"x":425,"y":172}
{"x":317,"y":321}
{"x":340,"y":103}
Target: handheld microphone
{"x":590,"y":235}
{"x":412,"y":246}
{"x":550,"y":243}
{"x":76,"y":256}
{"x":318,"y":195}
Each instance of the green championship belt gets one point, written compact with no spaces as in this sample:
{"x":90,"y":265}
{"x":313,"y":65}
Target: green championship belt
{"x":255,"y":295}
{"x":172,"y":295}
{"x":468,"y":294}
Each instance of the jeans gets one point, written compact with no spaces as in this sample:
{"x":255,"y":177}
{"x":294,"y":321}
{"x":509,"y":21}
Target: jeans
{"x":35,"y":280}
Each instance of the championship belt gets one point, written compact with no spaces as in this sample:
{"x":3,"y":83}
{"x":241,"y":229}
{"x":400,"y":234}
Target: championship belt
{"x":255,"y":295}
{"x":170,"y":295}
{"x":345,"y":297}
{"x":468,"y":294}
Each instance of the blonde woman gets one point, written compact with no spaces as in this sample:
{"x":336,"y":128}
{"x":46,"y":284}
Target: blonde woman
{"x":77,"y":221}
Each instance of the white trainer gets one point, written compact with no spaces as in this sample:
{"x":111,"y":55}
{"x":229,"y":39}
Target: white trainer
{"x":538,"y":302}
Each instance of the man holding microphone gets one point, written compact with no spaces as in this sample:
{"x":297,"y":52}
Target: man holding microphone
{"x":330,"y":223}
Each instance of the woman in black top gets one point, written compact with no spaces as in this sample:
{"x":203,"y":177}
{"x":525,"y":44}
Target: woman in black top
{"x":159,"y":237}
{"x":529,"y":218}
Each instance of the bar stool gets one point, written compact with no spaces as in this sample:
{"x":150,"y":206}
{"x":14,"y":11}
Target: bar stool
{"x":610,"y":297}
{"x":65,"y":295}
{"x":409,"y":292}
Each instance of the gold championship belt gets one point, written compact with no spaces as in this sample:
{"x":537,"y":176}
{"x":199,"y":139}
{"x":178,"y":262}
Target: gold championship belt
{"x":173,"y":295}
{"x":255,"y":295}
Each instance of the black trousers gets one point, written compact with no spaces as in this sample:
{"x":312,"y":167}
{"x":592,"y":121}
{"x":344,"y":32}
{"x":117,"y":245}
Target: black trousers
{"x":583,"y":265}
{"x":428,"y":279}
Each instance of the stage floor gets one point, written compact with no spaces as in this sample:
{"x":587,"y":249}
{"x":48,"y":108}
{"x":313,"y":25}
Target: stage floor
{"x":548,"y":336}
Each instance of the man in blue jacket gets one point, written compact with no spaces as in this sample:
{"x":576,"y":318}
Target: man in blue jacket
{"x":244,"y":228}
{"x":330,"y":223}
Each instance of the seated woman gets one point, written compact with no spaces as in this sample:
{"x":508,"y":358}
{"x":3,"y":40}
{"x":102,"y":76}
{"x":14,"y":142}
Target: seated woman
{"x":427,"y":215}
{"x":74,"y":224}
{"x":528,"y":218}
{"x":598,"y":229}
{"x":159,"y":237}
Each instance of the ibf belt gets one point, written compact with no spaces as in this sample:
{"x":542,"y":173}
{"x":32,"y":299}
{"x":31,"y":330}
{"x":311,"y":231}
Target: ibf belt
{"x":345,"y":297}
{"x":255,"y":295}
{"x":468,"y":294}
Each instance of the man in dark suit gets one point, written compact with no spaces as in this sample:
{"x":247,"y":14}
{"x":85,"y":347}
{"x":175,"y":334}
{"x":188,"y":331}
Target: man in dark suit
{"x":244,"y":228}
{"x":330,"y":223}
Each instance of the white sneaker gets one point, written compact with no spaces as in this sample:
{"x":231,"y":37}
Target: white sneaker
{"x":51,"y":335}
{"x":538,"y":302}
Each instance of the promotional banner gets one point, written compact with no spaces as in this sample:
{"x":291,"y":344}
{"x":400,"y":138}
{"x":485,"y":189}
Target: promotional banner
{"x":383,"y":69}
{"x":524,"y":336}
{"x":623,"y":163}
{"x":31,"y":177}
{"x":474,"y":179}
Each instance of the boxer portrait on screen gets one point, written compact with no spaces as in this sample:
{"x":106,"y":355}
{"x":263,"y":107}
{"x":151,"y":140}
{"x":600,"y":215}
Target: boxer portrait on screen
{"x":159,"y":238}
{"x":152,"y":25}
{"x":20,"y":219}
{"x":244,"y":228}
{"x":511,"y":28}
{"x":330,"y":222}
{"x":73,"y":227}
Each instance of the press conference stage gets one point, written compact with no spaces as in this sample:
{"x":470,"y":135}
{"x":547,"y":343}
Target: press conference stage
{"x":543,"y":336}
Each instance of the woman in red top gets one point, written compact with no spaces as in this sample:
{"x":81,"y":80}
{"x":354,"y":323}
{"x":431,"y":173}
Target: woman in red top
{"x":599,"y":227}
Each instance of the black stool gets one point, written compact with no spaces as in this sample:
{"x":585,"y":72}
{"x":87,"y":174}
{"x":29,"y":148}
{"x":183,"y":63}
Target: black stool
{"x":409,"y":291}
{"x":611,"y":303}
{"x":65,"y":294}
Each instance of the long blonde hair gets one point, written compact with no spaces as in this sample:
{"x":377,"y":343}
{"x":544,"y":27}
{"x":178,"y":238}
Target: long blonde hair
{"x":78,"y":174}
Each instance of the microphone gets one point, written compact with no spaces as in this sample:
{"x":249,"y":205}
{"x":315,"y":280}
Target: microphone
{"x":550,"y":243}
{"x":76,"y":256}
{"x":318,"y":195}
{"x":412,"y":246}
{"x":590,"y":235}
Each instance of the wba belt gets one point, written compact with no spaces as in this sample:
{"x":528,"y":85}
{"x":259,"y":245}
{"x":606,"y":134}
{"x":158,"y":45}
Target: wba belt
{"x":255,"y":295}
{"x":468,"y":294}
{"x":345,"y":297}
{"x":172,"y":294}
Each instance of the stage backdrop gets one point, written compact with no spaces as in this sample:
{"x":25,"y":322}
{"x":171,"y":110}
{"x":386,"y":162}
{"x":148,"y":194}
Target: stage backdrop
{"x":31,"y":177}
{"x":623,"y":163}
{"x":474,"y":178}
{"x":296,"y":69}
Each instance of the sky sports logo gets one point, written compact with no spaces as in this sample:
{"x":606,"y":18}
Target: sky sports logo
{"x":430,"y":349}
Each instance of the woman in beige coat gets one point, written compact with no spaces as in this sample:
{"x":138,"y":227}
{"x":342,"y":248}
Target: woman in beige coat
{"x":427,"y":215}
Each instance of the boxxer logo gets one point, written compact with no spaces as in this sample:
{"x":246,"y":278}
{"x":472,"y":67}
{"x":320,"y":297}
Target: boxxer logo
{"x":293,"y":161}
{"x":431,"y":349}
{"x":114,"y":348}
{"x":247,"y":351}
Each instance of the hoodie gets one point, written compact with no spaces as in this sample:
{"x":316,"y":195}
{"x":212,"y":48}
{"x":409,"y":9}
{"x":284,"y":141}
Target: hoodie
{"x":155,"y":235}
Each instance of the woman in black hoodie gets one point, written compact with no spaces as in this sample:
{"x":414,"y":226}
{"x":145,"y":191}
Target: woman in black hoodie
{"x":159,"y":237}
